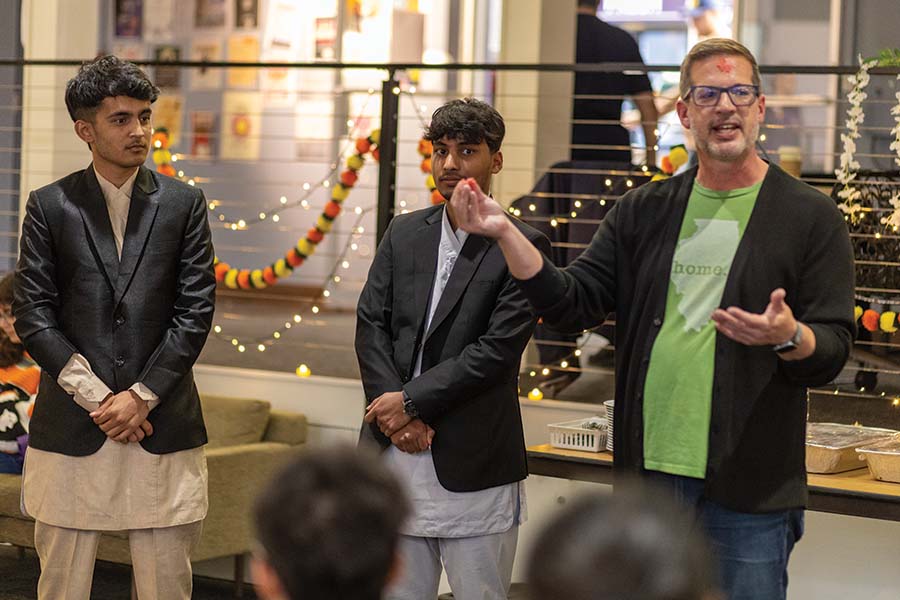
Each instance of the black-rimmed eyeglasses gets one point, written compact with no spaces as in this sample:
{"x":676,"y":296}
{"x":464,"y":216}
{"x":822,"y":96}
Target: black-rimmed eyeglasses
{"x":708,"y":95}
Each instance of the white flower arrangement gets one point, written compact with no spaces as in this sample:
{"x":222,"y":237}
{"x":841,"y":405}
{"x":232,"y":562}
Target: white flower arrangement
{"x":846,"y":173}
{"x":893,"y":219}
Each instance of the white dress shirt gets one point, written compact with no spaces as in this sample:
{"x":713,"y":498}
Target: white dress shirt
{"x":438,"y":512}
{"x":121,"y":486}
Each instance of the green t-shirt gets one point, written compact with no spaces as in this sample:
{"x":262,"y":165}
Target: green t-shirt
{"x":678,"y":389}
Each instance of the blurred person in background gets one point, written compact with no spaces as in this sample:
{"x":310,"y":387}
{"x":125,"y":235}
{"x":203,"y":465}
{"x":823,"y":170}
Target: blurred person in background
{"x":328,"y":526}
{"x":631,"y":545}
{"x":19,"y":378}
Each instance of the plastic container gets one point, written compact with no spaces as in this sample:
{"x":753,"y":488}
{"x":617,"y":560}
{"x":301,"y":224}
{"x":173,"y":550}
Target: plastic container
{"x":609,"y":404}
{"x":581,"y":434}
{"x":831,"y":447}
{"x":883,"y":459}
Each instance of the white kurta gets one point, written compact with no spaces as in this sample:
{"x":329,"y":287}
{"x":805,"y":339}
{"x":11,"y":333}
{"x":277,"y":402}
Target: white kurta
{"x":121,"y":486}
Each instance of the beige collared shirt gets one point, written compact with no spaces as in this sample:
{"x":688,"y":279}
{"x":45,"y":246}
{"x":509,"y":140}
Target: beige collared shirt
{"x":121,"y":486}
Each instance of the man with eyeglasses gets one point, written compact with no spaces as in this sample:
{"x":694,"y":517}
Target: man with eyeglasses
{"x":733,"y":289}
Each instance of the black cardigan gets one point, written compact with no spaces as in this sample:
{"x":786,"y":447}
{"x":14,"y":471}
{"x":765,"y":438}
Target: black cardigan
{"x":795,"y":239}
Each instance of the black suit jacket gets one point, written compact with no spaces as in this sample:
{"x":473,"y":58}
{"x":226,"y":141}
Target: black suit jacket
{"x":142,"y":319}
{"x":468,"y":389}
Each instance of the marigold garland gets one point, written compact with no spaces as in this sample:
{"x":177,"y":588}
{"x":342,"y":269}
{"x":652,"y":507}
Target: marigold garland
{"x":872,"y":320}
{"x":425,"y":151}
{"x":249,"y":279}
{"x":306,"y":247}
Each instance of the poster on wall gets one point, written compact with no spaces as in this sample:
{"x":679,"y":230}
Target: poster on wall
{"x":326,"y":38}
{"x":203,"y":126}
{"x":128,"y":51}
{"x":243,"y":48}
{"x":210,"y":13}
{"x":159,"y":21}
{"x":167,"y":113}
{"x":241,"y":126}
{"x":206,"y":78}
{"x":246,"y":14}
{"x":167,"y":77}
{"x":129,"y":18}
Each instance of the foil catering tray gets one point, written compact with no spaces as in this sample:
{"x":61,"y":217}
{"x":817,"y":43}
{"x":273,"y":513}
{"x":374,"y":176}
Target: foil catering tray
{"x":831,"y":447}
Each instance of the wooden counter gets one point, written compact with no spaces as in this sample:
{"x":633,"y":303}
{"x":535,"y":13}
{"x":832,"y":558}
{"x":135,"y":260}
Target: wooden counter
{"x":852,"y":493}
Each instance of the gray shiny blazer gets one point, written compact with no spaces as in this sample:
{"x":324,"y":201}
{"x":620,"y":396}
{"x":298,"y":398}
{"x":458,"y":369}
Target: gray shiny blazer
{"x":142,"y":319}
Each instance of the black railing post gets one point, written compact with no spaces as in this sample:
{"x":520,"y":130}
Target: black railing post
{"x":387,"y":151}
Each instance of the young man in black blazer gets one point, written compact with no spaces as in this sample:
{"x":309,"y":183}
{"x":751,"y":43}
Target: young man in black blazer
{"x":733,"y":291}
{"x":114,"y":299}
{"x":441,"y":327}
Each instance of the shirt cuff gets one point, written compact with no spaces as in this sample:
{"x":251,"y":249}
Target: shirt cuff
{"x":145,"y":393}
{"x":77,"y":378}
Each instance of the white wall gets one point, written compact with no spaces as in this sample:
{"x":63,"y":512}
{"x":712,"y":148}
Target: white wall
{"x":839,"y":557}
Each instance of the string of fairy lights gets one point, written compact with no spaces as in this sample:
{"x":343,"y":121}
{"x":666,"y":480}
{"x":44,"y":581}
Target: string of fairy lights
{"x":351,"y":244}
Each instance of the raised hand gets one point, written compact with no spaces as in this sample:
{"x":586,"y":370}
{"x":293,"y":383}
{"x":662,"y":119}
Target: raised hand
{"x":775,"y":325}
{"x":477,"y":213}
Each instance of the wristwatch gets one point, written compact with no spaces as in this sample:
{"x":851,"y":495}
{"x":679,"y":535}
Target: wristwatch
{"x":791,"y":344}
{"x":409,"y":408}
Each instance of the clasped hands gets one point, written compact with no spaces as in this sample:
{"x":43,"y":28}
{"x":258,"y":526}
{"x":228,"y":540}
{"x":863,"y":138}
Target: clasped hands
{"x":408,"y":434}
{"x":123,"y":417}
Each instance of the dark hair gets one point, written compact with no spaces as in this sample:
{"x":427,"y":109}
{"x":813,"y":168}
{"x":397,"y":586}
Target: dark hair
{"x":106,"y":77}
{"x":329,"y":524}
{"x":627,"y":546}
{"x":467,"y":120}
{"x":589,"y":4}
{"x":10,"y":352}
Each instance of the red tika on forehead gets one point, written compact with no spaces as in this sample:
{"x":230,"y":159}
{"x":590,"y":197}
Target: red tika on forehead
{"x":724,"y":65}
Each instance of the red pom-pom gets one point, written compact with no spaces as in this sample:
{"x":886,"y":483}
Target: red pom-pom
{"x":436,"y":197}
{"x":666,"y":165}
{"x":426,"y":165}
{"x":293,"y":258}
{"x":269,"y":276}
{"x":221,"y":269}
{"x":363,"y":145}
{"x":332,"y":209}
{"x":166,"y":169}
{"x":425,"y":148}
{"x":349,"y":178}
{"x":314,"y":235}
{"x":243,"y":279}
{"x":376,"y":154}
{"x":870,"y":320}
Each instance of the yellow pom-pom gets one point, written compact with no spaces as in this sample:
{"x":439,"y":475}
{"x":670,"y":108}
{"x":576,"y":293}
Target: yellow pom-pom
{"x":659,"y":177}
{"x":303,"y":371}
{"x":231,"y":279}
{"x":324,"y":224}
{"x":857,"y":312}
{"x":429,"y":182}
{"x":355,"y":162}
{"x":256,"y":277}
{"x":162,"y":157}
{"x":536,"y":394}
{"x":678,"y":156}
{"x":305,"y":247}
{"x":281,"y":268}
{"x":375,"y":136}
{"x":887,"y":320}
{"x":339,"y":193}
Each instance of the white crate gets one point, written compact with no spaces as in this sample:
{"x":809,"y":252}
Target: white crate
{"x":572,"y":436}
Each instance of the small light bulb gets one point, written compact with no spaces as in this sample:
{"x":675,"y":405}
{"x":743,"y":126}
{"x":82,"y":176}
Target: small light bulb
{"x":297,"y":318}
{"x":217,"y":329}
{"x":276,"y":218}
{"x":315,"y":310}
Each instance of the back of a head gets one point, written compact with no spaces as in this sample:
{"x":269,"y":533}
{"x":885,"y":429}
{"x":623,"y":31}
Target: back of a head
{"x":329,"y":523}
{"x":106,"y":77}
{"x":627,"y":546}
